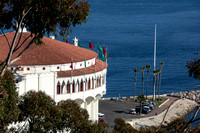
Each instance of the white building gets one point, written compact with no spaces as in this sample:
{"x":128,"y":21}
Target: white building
{"x":58,"y":69}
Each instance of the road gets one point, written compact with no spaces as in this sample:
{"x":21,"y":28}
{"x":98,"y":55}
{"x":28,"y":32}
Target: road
{"x":120,"y":109}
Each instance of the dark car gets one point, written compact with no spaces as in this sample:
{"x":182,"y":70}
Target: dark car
{"x":137,"y":109}
{"x":145,"y":109}
{"x":150,"y":105}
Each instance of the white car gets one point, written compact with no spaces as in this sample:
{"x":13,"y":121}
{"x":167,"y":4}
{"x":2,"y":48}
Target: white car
{"x":132,"y":111}
{"x":100,"y":115}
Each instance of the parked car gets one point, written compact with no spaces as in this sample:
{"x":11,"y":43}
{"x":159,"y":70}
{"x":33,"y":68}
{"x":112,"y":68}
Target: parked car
{"x":100,"y":115}
{"x":101,"y":118}
{"x":151,"y":105}
{"x":145,"y":109}
{"x":132,"y":111}
{"x":137,"y":109}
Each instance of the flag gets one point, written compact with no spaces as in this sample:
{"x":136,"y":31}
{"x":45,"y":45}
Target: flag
{"x":91,"y":45}
{"x":71,"y":66}
{"x":100,"y":48}
{"x":103,"y":57}
{"x":67,"y":41}
{"x":79,"y":44}
{"x":105,"y":54}
{"x":104,"y":50}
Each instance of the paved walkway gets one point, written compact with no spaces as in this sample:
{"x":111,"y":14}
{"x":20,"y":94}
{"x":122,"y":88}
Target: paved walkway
{"x":115,"y":109}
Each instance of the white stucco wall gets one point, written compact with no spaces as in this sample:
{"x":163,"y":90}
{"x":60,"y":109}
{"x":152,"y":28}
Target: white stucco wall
{"x":48,"y":81}
{"x":30,"y":82}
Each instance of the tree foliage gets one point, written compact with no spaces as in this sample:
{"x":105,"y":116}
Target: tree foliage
{"x":194,"y":68}
{"x":74,"y":117}
{"x":40,"y":17}
{"x":99,"y":127}
{"x":8,"y":101}
{"x":39,"y":113}
{"x":43,"y":16}
{"x":176,"y":125}
{"x":122,"y":127}
{"x":36,"y":108}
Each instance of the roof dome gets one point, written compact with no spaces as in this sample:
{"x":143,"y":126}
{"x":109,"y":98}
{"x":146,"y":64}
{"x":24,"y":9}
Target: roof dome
{"x":53,"y":52}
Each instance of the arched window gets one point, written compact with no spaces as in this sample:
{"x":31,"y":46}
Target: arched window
{"x":58,"y":88}
{"x":100,"y":81}
{"x":81,"y":86}
{"x":68,"y":87}
{"x":73,"y":87}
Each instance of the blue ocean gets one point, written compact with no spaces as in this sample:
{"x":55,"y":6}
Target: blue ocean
{"x":126,"y":28}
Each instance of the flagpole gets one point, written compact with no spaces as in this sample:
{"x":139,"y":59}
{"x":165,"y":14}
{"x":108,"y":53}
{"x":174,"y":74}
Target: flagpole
{"x":71,"y":74}
{"x":102,"y":72}
{"x":98,"y":50}
{"x":102,"y":66}
{"x":95,"y":66}
{"x":155,"y":49}
{"x":107,"y":54}
{"x":154,"y":94}
{"x":71,"y":66}
{"x":85,"y":65}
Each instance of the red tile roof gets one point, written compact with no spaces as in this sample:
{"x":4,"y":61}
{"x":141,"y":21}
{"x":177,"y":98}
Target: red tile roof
{"x":99,"y":67}
{"x":53,"y":52}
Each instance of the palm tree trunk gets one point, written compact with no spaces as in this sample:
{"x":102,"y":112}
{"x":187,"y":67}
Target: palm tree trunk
{"x":142,"y":83}
{"x":135,"y":84}
{"x":154,"y":81}
{"x":140,"y":107}
{"x":159,"y":83}
{"x":147,"y":83}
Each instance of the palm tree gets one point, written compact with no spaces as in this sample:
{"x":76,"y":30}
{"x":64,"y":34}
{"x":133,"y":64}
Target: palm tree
{"x":161,"y":65}
{"x":154,"y":83}
{"x":147,"y":67}
{"x":136,"y":71}
{"x":157,"y":74}
{"x":142,"y":69}
{"x":141,"y":99}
